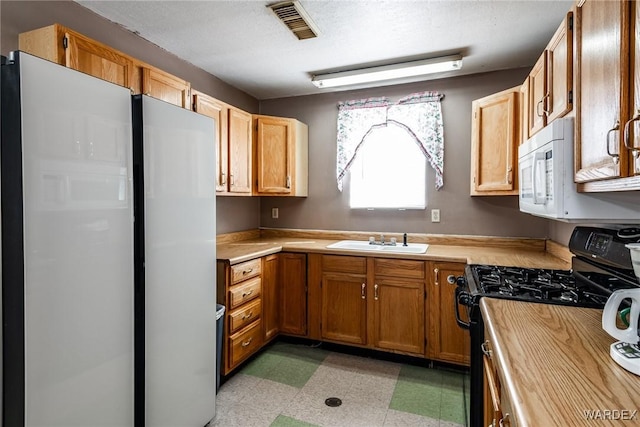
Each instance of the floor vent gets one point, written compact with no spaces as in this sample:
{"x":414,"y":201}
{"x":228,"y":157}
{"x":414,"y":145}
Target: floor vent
{"x":295,"y":18}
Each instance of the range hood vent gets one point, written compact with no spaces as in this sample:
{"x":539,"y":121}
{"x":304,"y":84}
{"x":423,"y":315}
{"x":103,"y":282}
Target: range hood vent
{"x":295,"y":18}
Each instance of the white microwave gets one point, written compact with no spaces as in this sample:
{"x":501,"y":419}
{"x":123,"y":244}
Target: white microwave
{"x":547,"y":189}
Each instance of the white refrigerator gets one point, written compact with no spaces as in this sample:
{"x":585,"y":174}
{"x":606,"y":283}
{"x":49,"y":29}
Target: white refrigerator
{"x":175,"y":247}
{"x":108,"y":254}
{"x":67,"y":248}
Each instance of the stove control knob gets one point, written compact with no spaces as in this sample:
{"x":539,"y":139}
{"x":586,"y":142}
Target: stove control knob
{"x":451,"y":279}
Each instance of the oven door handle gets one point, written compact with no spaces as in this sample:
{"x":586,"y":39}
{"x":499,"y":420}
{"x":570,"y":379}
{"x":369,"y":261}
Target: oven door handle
{"x":461,"y":295}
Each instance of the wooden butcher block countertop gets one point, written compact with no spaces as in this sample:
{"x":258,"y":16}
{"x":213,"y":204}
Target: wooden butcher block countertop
{"x":553,"y":363}
{"x":537,"y":253}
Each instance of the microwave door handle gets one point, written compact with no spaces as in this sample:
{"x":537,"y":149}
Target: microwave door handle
{"x":538,"y":180}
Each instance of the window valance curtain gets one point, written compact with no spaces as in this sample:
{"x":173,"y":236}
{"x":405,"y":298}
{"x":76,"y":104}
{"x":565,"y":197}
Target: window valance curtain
{"x":419,"y":114}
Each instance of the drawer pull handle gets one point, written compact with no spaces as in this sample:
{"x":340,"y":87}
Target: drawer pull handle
{"x":245,"y":272}
{"x":247,"y":316}
{"x":363,"y":292}
{"x":375,"y":292}
{"x":246,"y":294}
{"x":247,"y":342}
{"x":615,"y":157}
{"x":436,"y":272}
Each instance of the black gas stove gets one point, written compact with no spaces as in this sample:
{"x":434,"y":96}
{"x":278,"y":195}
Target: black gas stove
{"x":601,"y":265}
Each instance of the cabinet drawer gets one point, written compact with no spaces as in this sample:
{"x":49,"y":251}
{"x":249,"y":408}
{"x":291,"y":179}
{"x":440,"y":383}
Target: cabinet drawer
{"x":246,"y":270}
{"x":344,"y":264}
{"x":246,"y":291}
{"x":399,"y":268}
{"x":244,"y":343}
{"x":244,"y":315}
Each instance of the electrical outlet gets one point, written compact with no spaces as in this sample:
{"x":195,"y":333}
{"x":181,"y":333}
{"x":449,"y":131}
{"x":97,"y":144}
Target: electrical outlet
{"x":435,"y":215}
{"x":274,"y":213}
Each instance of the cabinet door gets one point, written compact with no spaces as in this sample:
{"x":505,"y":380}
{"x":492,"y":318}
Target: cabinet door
{"x":537,"y":105}
{"x":447,"y":341}
{"x":493,"y":143}
{"x":98,"y":60}
{"x":344,"y":308}
{"x":164,"y":86}
{"x":633,"y":137}
{"x":560,"y":70}
{"x":524,"y":112}
{"x":274,"y":141}
{"x":270,"y":297}
{"x":217,"y":110}
{"x":602,"y":89}
{"x":293,"y":297}
{"x":399,"y":315}
{"x":239,"y":151}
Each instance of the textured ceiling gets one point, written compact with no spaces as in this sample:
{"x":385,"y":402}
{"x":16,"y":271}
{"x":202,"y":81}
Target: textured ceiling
{"x":244,"y":44}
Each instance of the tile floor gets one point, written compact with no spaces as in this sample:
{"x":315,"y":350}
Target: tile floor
{"x":287,"y":384}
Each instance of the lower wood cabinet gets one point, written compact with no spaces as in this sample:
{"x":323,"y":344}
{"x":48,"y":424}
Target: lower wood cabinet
{"x":447,"y":342}
{"x":263,"y":297}
{"x":292,"y":284}
{"x":240,"y":291}
{"x":344,"y":299}
{"x":497,"y":407}
{"x":270,"y":297}
{"x":402,"y":306}
{"x":399,"y":305}
{"x":374,"y":302}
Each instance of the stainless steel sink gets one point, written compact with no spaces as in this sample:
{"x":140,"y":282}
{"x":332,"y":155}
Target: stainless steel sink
{"x":358,"y":245}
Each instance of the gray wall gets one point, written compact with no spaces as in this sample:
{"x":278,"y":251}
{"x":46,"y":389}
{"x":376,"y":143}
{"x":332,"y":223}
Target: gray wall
{"x":233,"y":214}
{"x":327,"y":208}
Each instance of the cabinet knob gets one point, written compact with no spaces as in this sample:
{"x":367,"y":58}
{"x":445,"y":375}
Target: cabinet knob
{"x":451,"y":279}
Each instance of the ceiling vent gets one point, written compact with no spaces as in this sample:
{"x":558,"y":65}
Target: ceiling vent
{"x":295,"y":18}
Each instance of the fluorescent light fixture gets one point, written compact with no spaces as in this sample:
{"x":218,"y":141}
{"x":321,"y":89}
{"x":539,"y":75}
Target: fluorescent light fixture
{"x":388,"y":72}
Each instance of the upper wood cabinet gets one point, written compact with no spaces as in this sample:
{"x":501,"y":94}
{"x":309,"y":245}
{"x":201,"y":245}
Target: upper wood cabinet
{"x":550,"y":82}
{"x":559,"y":97}
{"x":167,"y":87}
{"x":233,"y":144}
{"x":218,"y":110}
{"x":537,"y":95}
{"x":66,"y":47}
{"x":494,"y":141}
{"x":602,"y":45}
{"x":281,"y":156}
{"x":240,"y":152}
{"x":524,"y":111}
{"x":446,"y":341}
{"x":608,"y":98}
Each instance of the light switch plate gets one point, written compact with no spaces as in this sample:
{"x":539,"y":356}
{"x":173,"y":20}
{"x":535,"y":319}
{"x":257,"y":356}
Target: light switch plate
{"x":274,"y":213}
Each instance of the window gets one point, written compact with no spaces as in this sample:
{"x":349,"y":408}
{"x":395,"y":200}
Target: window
{"x":389,"y":171}
{"x":389,"y":144}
